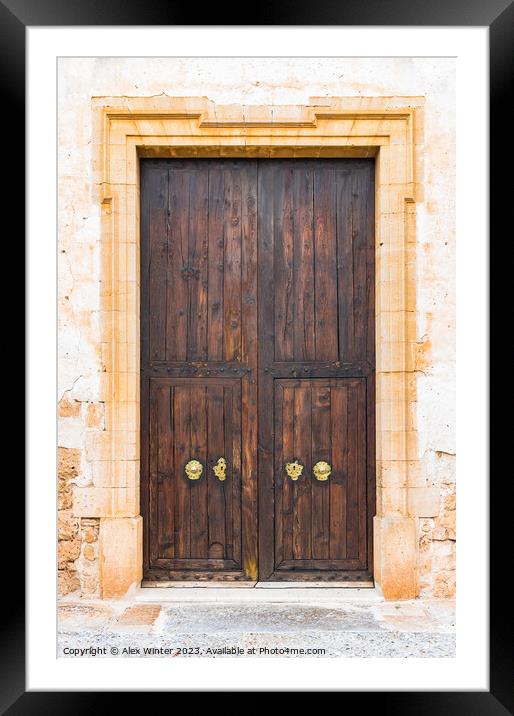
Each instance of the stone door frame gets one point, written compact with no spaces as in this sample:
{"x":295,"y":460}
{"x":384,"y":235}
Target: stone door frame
{"x":390,"y":129}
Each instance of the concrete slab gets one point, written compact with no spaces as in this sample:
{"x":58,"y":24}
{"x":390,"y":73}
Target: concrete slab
{"x":255,"y":628}
{"x":259,"y":618}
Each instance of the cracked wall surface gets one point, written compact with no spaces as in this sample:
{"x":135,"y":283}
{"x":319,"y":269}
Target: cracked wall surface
{"x":81,"y":411}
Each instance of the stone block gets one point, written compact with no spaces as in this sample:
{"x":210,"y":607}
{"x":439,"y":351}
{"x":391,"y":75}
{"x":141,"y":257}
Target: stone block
{"x":395,"y":445}
{"x":444,"y":585}
{"x":449,"y":502}
{"x":423,"y":501}
{"x":395,"y":556}
{"x":89,"y":552}
{"x":140,"y":614}
{"x":391,"y":500}
{"x":68,"y":551}
{"x":95,"y":415}
{"x":67,"y":581}
{"x":121,"y":555}
{"x":67,"y":525}
{"x":105,"y":501}
{"x":68,"y":467}
{"x":68,"y":462}
{"x":69,"y":409}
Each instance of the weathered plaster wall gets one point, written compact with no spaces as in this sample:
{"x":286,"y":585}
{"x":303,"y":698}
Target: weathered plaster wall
{"x":253,"y":81}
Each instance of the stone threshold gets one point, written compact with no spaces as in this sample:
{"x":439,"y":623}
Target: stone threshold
{"x":287,"y":593}
{"x":257,"y":585}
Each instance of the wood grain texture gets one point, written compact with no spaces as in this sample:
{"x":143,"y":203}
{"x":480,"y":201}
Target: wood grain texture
{"x":321,"y":525}
{"x":316,"y":366}
{"x":198,"y":367}
{"x":257,"y":344}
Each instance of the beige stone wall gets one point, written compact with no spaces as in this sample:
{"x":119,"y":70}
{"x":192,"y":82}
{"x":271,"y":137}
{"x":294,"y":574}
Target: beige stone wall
{"x":82,"y":359}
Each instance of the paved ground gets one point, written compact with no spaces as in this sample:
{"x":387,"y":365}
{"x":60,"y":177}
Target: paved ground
{"x":174,"y":623}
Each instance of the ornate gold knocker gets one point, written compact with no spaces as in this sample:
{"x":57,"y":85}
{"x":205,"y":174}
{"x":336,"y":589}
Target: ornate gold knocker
{"x":194,"y":469}
{"x":322,"y":470}
{"x":294,"y":469}
{"x":220,"y":469}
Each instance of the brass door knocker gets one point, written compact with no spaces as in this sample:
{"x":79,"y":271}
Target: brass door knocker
{"x":194,"y":469}
{"x":322,"y":470}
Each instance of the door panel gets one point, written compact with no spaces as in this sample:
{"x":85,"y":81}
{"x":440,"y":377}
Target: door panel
{"x":322,"y":260}
{"x":316,"y":366}
{"x":196,"y":521}
{"x":197,"y":216}
{"x":317,"y":522}
{"x":198,"y":365}
{"x":257,"y":345}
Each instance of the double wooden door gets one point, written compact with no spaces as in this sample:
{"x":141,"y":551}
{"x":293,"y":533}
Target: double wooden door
{"x":257,"y":369}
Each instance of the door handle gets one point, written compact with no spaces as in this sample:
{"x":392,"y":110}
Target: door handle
{"x":220,"y":469}
{"x":322,"y":470}
{"x":194,"y":469}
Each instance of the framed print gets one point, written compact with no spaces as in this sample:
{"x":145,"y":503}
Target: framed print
{"x":263,"y":254}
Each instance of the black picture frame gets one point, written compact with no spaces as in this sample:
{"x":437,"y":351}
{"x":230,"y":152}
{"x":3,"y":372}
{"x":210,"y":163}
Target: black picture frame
{"x":498,"y":15}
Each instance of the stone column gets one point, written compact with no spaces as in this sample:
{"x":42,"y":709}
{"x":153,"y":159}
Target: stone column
{"x":113,"y":453}
{"x":395,"y":526}
{"x":402,"y":492}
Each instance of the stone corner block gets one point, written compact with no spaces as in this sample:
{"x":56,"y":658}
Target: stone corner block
{"x":395,"y":556}
{"x":121,"y":555}
{"x":423,"y":501}
{"x":113,"y":502}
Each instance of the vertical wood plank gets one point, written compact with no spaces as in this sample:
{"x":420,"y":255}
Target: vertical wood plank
{"x":286,"y":454}
{"x":197,"y":267}
{"x":361,"y":467}
{"x":278,"y":476}
{"x":283,"y":263}
{"x":303,"y":278}
{"x":166,"y":537}
{"x":177,"y":305}
{"x":352,"y":489}
{"x":232,"y":264}
{"x":234,"y":513}
{"x":216,"y":265}
{"x":325,"y":266}
{"x":157,"y":271}
{"x":369,"y":191}
{"x":182,"y":454}
{"x":216,"y":489}
{"x":345,"y":266}
{"x":228,"y":489}
{"x":321,"y":450}
{"x":303,"y":488}
{"x":198,"y":488}
{"x":337,"y":486}
{"x":153,"y":466}
{"x":360,"y":251}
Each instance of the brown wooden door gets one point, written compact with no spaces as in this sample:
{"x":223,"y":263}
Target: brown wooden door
{"x":316,"y":368}
{"x":198,"y":368}
{"x":303,"y":342}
